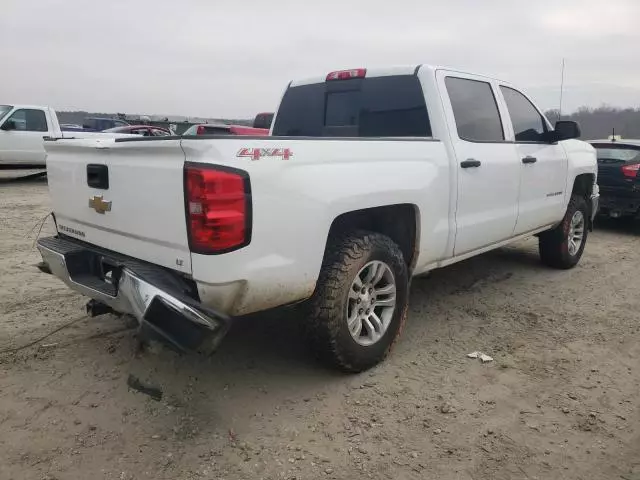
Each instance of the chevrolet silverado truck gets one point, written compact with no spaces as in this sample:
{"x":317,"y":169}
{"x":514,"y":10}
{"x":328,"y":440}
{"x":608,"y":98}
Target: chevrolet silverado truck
{"x":369,"y":177}
{"x":22,"y":131}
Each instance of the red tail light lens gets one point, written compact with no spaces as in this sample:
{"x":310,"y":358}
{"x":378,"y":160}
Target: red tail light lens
{"x":218,"y":208}
{"x":631,"y":171}
{"x":347,"y":74}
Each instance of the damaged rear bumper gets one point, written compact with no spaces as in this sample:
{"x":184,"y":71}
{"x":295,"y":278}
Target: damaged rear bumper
{"x":163,"y":303}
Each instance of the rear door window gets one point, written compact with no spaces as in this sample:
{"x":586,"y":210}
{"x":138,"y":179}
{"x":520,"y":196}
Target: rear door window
{"x":391,"y":106}
{"x":475,"y":110}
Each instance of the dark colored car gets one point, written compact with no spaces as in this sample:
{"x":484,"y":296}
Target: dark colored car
{"x":619,"y":177}
{"x":263,"y":120}
{"x":95,"y":124}
{"x":144,"y":130}
{"x":214,"y":129}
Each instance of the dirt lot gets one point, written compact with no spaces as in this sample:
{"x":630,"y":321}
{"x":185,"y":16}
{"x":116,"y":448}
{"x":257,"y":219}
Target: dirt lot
{"x":560,"y":401}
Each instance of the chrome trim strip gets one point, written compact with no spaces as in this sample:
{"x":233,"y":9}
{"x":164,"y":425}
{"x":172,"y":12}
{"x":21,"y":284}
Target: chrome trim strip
{"x":183,"y":248}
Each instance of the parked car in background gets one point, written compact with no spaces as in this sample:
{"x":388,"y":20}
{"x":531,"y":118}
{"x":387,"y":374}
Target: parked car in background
{"x":144,"y":130}
{"x":220,"y":129}
{"x":263,"y":120}
{"x":370,"y":177}
{"x":619,"y":177}
{"x":23,"y":129}
{"x":69,"y":127}
{"x":97,"y":124}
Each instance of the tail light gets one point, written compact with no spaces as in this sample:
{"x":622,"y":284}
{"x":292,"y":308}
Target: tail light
{"x":201,"y":130}
{"x":631,"y":171}
{"x":218,"y":208}
{"x":347,"y":74}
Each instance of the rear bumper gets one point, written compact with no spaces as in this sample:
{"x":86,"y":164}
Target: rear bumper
{"x":162,"y":302}
{"x":620,"y":202}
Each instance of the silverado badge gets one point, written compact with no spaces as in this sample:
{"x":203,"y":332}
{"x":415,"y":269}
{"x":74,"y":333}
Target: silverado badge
{"x":99,"y":205}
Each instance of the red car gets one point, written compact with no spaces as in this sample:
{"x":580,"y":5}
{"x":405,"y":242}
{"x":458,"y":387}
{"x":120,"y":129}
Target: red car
{"x":216,"y":129}
{"x":144,"y":130}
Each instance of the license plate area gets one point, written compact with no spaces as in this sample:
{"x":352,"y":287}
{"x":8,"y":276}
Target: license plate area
{"x":95,"y":271}
{"x":109,"y":271}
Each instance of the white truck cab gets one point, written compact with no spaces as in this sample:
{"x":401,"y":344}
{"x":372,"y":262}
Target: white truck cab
{"x":22,"y":131}
{"x":369,"y":177}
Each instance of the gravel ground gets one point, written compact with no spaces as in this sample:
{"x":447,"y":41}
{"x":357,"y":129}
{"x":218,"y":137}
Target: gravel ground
{"x":560,"y":401}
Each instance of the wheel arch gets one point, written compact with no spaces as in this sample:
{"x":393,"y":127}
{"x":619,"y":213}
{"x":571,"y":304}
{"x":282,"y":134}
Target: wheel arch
{"x":583,"y":186}
{"x":400,"y":222}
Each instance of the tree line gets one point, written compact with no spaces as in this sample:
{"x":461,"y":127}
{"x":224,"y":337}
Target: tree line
{"x":600,"y":122}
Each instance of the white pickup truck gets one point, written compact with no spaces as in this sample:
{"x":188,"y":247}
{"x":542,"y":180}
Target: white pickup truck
{"x":22,"y":130}
{"x":369,"y":177}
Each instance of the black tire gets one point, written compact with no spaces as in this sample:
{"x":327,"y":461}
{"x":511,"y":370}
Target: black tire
{"x":554,"y":244}
{"x":326,"y":323}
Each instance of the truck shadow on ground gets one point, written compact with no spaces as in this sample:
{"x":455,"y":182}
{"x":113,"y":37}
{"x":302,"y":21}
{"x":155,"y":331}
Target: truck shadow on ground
{"x":277,"y":337}
{"x":265,"y":366}
{"x":268,"y":351}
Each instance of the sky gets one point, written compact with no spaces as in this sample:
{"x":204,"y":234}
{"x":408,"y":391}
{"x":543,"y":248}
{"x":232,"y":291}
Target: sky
{"x":215,"y":58}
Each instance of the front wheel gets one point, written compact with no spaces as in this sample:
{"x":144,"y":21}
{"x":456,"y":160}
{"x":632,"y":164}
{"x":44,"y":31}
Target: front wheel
{"x":360,"y":303}
{"x":563,"y":246}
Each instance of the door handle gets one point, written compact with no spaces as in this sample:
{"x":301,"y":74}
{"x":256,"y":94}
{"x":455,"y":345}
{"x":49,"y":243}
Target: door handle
{"x":470,"y":163}
{"x":529,"y":159}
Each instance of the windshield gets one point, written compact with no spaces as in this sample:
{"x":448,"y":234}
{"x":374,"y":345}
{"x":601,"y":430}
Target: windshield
{"x":4,"y":109}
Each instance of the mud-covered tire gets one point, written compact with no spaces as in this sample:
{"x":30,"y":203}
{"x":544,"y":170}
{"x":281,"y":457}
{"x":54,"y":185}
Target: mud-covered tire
{"x":326,"y":325}
{"x":554,"y":244}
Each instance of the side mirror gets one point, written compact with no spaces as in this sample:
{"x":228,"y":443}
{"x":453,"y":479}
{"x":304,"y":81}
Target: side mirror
{"x":9,"y":125}
{"x":565,"y":130}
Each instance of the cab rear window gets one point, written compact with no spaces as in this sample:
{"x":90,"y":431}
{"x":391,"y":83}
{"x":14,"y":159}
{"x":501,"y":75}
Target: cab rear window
{"x":391,"y":106}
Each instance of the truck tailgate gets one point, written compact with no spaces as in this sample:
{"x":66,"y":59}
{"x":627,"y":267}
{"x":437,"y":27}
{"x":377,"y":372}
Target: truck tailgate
{"x":122,"y":196}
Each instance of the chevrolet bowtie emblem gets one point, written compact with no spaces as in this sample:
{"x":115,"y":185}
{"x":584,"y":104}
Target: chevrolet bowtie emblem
{"x":99,"y":205}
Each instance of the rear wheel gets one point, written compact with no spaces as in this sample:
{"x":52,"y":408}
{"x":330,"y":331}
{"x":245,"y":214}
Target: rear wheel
{"x":563,"y":246}
{"x":360,"y":302}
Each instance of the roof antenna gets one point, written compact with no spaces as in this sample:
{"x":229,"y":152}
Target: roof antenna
{"x":561,"y":90}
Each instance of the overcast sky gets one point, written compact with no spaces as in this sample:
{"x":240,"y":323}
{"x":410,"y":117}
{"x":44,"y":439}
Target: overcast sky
{"x":230,"y":58}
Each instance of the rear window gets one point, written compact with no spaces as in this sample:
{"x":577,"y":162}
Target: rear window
{"x":217,"y":131}
{"x":390,"y":106}
{"x":620,"y":154}
{"x":263,"y":120}
{"x":207,"y":130}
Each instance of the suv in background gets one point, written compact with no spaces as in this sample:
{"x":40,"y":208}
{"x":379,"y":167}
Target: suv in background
{"x":619,"y":177}
{"x":96,"y":124}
